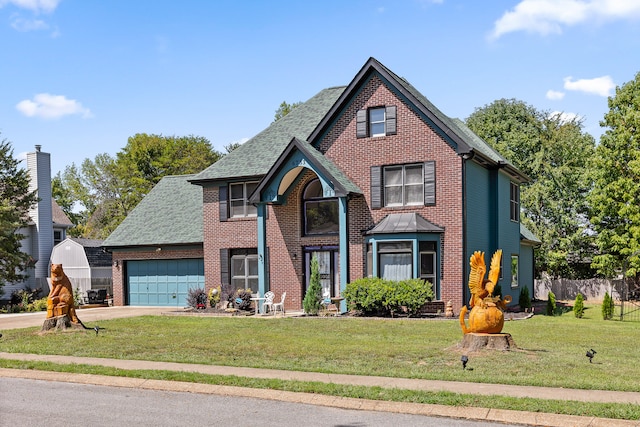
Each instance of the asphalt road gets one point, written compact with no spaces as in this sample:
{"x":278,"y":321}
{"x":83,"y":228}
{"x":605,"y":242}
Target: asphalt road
{"x":26,"y":403}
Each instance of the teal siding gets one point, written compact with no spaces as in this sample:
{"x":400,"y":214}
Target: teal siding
{"x":526,"y":269}
{"x":478,"y":227}
{"x":508,"y":237}
{"x":489,"y":226}
{"x":163,"y":282}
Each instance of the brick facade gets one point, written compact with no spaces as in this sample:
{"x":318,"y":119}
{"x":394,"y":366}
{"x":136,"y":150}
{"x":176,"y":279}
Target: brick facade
{"x":414,"y":142}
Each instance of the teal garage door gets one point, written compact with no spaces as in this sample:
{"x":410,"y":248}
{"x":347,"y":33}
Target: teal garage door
{"x":163,"y":282}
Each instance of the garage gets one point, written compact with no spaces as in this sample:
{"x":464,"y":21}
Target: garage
{"x":163,"y":282}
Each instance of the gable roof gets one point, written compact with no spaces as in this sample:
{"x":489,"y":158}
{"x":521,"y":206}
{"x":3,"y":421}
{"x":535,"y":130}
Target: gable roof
{"x":60,"y":219}
{"x":256,"y":156}
{"x":342,"y":185}
{"x":170,"y":214}
{"x":454,"y":131}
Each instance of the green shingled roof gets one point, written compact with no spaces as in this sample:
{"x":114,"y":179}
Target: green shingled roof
{"x":257,"y":155}
{"x":170,"y":214}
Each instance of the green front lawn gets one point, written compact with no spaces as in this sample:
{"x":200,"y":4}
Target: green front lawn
{"x":551,"y":349}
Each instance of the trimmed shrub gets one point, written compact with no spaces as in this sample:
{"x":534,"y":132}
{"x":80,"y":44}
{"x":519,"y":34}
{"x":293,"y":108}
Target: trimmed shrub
{"x":578,"y":306}
{"x":551,"y":304}
{"x":524,"y":300}
{"x":378,"y":297}
{"x":313,"y":297}
{"x":607,"y":307}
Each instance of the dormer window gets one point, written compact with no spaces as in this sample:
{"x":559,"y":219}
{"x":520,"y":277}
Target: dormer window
{"x":376,"y":121}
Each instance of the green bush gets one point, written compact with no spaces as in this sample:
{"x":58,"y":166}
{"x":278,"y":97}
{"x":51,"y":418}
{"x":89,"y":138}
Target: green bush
{"x":379,"y":297}
{"x":578,"y":306}
{"x":551,"y":304}
{"x":524,"y":300}
{"x":313,"y":297}
{"x":607,"y":307}
{"x":38,"y":305}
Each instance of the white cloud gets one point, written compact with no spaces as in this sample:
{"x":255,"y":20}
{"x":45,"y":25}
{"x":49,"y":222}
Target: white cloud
{"x":37,"y":6}
{"x":602,"y":86}
{"x":565,"y":117}
{"x":555,"y":95}
{"x":550,"y":16}
{"x":49,"y":106}
{"x":25,"y":25}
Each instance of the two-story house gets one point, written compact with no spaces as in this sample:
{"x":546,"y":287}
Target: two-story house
{"x":370,"y":178}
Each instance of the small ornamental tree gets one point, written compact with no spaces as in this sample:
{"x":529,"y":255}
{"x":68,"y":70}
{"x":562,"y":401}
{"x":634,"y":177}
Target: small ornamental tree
{"x":524,"y":300}
{"x":578,"y":306}
{"x":551,"y":304}
{"x":607,"y":307}
{"x":313,"y":297}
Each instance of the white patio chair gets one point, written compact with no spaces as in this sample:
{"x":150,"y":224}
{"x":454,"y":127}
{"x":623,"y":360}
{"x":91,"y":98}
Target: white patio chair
{"x":268,"y":301}
{"x":279,"y":305}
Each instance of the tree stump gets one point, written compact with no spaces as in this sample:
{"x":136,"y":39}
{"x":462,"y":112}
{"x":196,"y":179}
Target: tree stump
{"x":59,"y":323}
{"x":476,"y":341}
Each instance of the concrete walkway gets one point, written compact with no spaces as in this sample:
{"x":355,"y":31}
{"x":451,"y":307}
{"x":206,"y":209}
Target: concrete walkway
{"x":486,"y":414}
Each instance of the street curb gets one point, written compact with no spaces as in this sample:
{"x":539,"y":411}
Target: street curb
{"x":468,"y":413}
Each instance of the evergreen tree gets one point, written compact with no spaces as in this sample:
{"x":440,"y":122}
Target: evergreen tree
{"x":313,"y":298}
{"x":578,"y":306}
{"x":607,"y":307}
{"x":15,"y":202}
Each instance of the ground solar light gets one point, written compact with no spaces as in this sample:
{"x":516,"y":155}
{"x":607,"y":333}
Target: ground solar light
{"x":464,"y":359}
{"x":590,"y":354}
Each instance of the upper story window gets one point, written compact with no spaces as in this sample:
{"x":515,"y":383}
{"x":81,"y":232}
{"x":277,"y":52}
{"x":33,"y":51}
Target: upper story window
{"x":377,"y":121}
{"x":403,"y":185}
{"x":239,"y":205}
{"x":320,"y":214}
{"x":514,"y":202}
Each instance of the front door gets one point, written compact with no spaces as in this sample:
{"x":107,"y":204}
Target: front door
{"x":327,"y":263}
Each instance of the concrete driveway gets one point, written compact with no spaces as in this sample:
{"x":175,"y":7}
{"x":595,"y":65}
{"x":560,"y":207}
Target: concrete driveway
{"x":27,"y":320}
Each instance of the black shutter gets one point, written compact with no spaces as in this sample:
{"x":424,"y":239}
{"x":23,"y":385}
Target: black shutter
{"x":224,"y":210}
{"x":376,"y":187}
{"x":361,"y":124}
{"x":430,"y":183}
{"x":390,"y":120}
{"x":224,"y":268}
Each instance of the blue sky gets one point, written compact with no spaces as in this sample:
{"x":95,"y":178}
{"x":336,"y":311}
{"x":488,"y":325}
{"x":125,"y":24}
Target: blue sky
{"x":79,"y":77}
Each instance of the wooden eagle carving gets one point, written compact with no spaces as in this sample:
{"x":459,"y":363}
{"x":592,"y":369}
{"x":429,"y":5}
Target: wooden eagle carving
{"x":479,"y":287}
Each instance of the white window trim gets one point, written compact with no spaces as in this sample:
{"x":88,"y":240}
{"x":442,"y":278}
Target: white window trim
{"x":245,"y":200}
{"x":383,"y":121}
{"x":403,"y":184}
{"x":246,"y":277}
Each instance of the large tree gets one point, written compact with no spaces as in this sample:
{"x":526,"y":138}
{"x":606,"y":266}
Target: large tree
{"x":555,"y":153}
{"x":615,"y":198}
{"x":108,"y":188}
{"x":15,"y":202}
